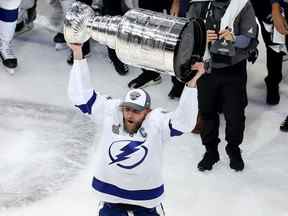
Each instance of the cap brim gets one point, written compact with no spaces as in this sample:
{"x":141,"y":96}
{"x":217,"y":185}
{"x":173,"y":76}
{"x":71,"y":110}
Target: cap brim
{"x":133,"y":106}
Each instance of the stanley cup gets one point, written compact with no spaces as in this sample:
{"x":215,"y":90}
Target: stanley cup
{"x":142,"y":38}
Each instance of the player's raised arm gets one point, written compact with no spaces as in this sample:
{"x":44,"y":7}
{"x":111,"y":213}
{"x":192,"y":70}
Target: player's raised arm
{"x":185,"y":115}
{"x":80,"y":90}
{"x":182,"y":120}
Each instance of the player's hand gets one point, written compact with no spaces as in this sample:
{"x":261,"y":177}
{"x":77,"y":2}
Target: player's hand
{"x":77,"y":50}
{"x":175,"y":8}
{"x":199,"y":66}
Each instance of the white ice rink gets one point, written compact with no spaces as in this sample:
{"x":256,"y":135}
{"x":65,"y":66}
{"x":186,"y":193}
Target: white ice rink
{"x":46,"y":150}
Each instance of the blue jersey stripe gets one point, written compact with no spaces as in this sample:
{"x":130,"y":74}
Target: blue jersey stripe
{"x":173,"y":131}
{"x":8,"y":15}
{"x":127,"y":194}
{"x":87,"y":108}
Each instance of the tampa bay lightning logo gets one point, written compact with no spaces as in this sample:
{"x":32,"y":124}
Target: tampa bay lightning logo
{"x":134,"y":95}
{"x":127,"y":154}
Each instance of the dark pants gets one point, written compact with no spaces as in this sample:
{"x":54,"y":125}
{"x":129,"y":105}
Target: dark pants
{"x":273,"y":61}
{"x":225,"y":88}
{"x":112,"y":209}
{"x":88,"y":2}
{"x":116,"y":7}
{"x":153,"y":5}
{"x":113,"y":7}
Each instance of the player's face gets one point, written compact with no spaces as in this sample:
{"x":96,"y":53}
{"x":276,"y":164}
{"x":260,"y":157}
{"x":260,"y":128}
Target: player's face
{"x":133,"y":119}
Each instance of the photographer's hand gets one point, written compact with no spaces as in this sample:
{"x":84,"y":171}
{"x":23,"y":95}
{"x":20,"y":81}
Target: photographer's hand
{"x":227,"y":35}
{"x":211,"y":36}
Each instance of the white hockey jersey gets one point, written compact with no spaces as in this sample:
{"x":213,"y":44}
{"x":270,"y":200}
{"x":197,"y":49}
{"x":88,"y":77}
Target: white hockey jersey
{"x":128,"y":168}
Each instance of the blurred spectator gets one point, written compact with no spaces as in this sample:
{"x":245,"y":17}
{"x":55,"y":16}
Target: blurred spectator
{"x":26,"y":16}
{"x":86,"y":45}
{"x":263,"y":9}
{"x":61,"y":7}
{"x":177,"y":86}
{"x":281,"y":25}
{"x":115,"y":8}
{"x":284,"y":125}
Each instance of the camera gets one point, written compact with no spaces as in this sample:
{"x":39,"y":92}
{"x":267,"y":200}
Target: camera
{"x":221,"y":51}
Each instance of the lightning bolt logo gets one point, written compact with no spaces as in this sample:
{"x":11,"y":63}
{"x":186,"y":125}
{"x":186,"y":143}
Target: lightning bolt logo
{"x":126,"y":153}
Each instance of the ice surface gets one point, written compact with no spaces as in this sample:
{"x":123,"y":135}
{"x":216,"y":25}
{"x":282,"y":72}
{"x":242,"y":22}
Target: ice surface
{"x":42,"y":148}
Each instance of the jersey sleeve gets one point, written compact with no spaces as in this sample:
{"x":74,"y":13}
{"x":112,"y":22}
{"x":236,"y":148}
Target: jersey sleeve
{"x":84,"y":97}
{"x":180,"y":121}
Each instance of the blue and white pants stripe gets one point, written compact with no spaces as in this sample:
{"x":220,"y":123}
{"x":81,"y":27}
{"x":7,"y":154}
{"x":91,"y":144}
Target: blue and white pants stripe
{"x":8,"y":18}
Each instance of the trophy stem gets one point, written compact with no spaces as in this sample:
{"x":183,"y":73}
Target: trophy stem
{"x":104,"y":29}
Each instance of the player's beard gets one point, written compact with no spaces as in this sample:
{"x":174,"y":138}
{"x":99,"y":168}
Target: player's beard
{"x":131,"y":128}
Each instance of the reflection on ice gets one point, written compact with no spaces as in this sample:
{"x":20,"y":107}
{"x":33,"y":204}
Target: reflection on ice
{"x":41,"y":149}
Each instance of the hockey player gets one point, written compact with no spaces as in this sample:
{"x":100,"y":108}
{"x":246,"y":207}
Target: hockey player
{"x":8,"y":19}
{"x":128,"y":172}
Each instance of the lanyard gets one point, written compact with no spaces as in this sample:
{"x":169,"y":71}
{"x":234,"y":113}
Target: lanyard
{"x":208,"y":12}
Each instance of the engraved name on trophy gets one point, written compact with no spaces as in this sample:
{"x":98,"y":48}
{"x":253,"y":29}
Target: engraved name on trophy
{"x":142,"y":38}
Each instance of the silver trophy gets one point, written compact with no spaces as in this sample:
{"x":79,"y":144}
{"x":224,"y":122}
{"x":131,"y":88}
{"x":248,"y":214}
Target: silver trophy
{"x":142,"y":38}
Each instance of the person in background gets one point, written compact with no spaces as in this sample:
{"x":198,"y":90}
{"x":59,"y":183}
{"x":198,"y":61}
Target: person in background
{"x":280,"y":23}
{"x":60,"y":9}
{"x":284,"y":125}
{"x":269,"y":14}
{"x":128,"y":174}
{"x":114,"y":8}
{"x":8,"y":20}
{"x":178,"y":86}
{"x":26,"y":16}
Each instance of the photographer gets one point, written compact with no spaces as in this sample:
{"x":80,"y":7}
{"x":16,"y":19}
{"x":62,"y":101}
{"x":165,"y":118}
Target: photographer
{"x":230,"y":39}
